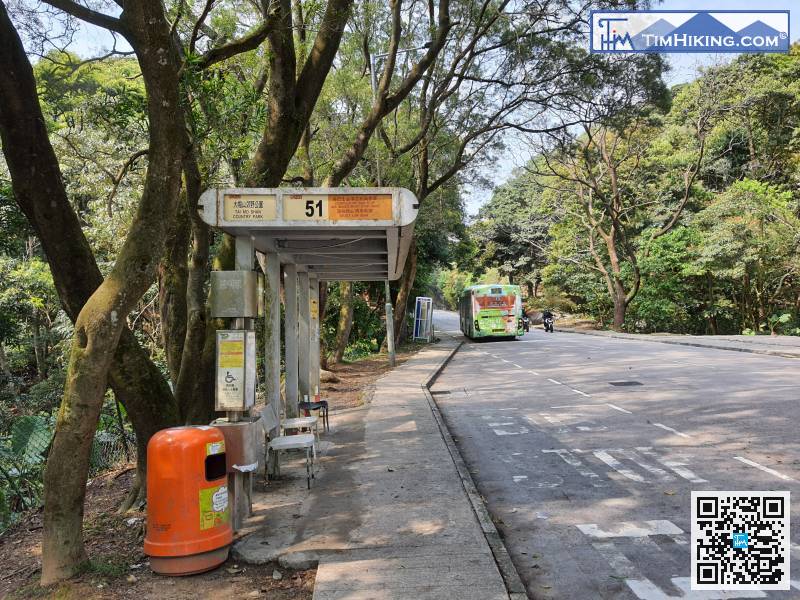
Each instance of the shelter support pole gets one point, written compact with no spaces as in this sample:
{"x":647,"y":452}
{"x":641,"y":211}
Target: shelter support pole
{"x":241,"y":484}
{"x":313,"y":362}
{"x":290,"y":327}
{"x":304,"y":330}
{"x":389,"y":326}
{"x":272,"y":346}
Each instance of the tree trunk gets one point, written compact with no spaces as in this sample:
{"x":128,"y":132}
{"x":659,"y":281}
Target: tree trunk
{"x":323,"y":305}
{"x":102,"y":319}
{"x":173,"y":274}
{"x":345,"y":320}
{"x":39,"y":192}
{"x":194,"y":391}
{"x":38,"y":349}
{"x":406,"y":283}
{"x":4,"y":367}
{"x":620,"y":306}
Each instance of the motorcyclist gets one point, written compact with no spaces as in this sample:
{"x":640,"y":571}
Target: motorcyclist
{"x":525,"y":320}
{"x":547,"y":319}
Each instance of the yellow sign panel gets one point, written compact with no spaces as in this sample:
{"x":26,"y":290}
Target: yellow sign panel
{"x":231,"y":354}
{"x":250,"y":207}
{"x":314,"y":309}
{"x":360,"y":207}
{"x":337,"y":207}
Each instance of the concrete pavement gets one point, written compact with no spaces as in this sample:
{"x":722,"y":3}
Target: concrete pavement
{"x":586,"y":450}
{"x":388,"y":517}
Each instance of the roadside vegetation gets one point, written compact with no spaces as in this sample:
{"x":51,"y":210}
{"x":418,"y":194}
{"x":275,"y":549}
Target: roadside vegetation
{"x":681,"y":215}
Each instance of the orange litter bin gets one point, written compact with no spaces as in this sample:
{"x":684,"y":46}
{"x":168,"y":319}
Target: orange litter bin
{"x":188,"y":517}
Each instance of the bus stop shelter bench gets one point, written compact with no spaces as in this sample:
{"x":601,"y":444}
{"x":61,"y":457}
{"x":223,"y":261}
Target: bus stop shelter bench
{"x":305,"y":442}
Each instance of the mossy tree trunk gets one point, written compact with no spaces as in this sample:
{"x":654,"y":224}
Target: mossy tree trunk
{"x":39,"y":192}
{"x":101,"y":320}
{"x":345,"y":320}
{"x":403,"y":293}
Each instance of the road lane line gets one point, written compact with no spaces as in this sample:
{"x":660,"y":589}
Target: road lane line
{"x":518,"y":478}
{"x":671,"y":430}
{"x":580,"y":392}
{"x":516,"y":365}
{"x":618,"y":466}
{"x":533,"y":373}
{"x":554,"y":381}
{"x":575,"y":405}
{"x":753,"y":463}
{"x":622,"y":410}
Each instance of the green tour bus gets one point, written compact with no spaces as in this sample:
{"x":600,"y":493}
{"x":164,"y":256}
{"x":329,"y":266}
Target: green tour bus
{"x":493,"y":310}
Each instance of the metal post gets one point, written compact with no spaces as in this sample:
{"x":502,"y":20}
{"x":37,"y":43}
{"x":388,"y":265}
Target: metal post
{"x":241,"y":484}
{"x":290,"y":293}
{"x":313,"y":362}
{"x":389,"y":326}
{"x":304,"y":331}
{"x":272,"y":345}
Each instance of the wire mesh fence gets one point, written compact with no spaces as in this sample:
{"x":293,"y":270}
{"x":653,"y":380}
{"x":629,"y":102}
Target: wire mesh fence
{"x":23,"y":453}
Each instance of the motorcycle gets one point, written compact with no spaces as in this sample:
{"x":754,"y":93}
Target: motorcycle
{"x":526,"y":323}
{"x":548,"y":321}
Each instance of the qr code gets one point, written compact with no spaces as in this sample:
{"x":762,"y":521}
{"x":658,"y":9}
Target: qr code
{"x":740,"y":540}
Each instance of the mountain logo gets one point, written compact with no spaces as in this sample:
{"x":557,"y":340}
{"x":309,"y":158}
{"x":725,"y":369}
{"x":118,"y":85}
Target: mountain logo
{"x":715,"y":31}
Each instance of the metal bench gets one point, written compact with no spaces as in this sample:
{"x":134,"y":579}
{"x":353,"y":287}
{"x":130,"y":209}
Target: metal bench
{"x":303,"y":441}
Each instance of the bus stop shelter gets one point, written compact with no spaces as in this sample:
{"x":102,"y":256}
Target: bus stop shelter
{"x":310,"y":236}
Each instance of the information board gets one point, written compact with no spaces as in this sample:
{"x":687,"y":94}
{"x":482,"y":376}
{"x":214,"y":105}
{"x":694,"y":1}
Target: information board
{"x":337,"y":207}
{"x":250,"y":207}
{"x":236,"y":370}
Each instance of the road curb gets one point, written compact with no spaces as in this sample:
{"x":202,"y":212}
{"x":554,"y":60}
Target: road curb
{"x":511,"y":578}
{"x":683,"y":343}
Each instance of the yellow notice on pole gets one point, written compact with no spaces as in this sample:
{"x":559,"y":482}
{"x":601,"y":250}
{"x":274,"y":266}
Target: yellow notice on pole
{"x":231,"y":354}
{"x":314,"y":309}
{"x":250,"y":207}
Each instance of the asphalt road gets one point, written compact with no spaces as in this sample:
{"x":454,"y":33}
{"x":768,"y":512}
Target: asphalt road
{"x":590,"y":482}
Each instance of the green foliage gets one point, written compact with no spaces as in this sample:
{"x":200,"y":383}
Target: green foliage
{"x":731,"y":264}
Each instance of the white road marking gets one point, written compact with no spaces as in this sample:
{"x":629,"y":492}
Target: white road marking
{"x":753,"y":463}
{"x":658,"y":471}
{"x":631,"y":529}
{"x":499,"y":424}
{"x":533,"y":373}
{"x":518,"y":478}
{"x":580,"y":392}
{"x":575,"y":405}
{"x":678,"y":465}
{"x":622,"y":410}
{"x":554,"y":381}
{"x":671,"y":430}
{"x":505,"y":361}
{"x":647,"y":590}
{"x":505,"y":432}
{"x":576,"y":462}
{"x":618,"y":466}
{"x":516,"y":365}
{"x":587,"y":428}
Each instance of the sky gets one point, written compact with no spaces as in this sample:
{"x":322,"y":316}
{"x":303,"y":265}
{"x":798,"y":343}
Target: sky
{"x":685,"y":68}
